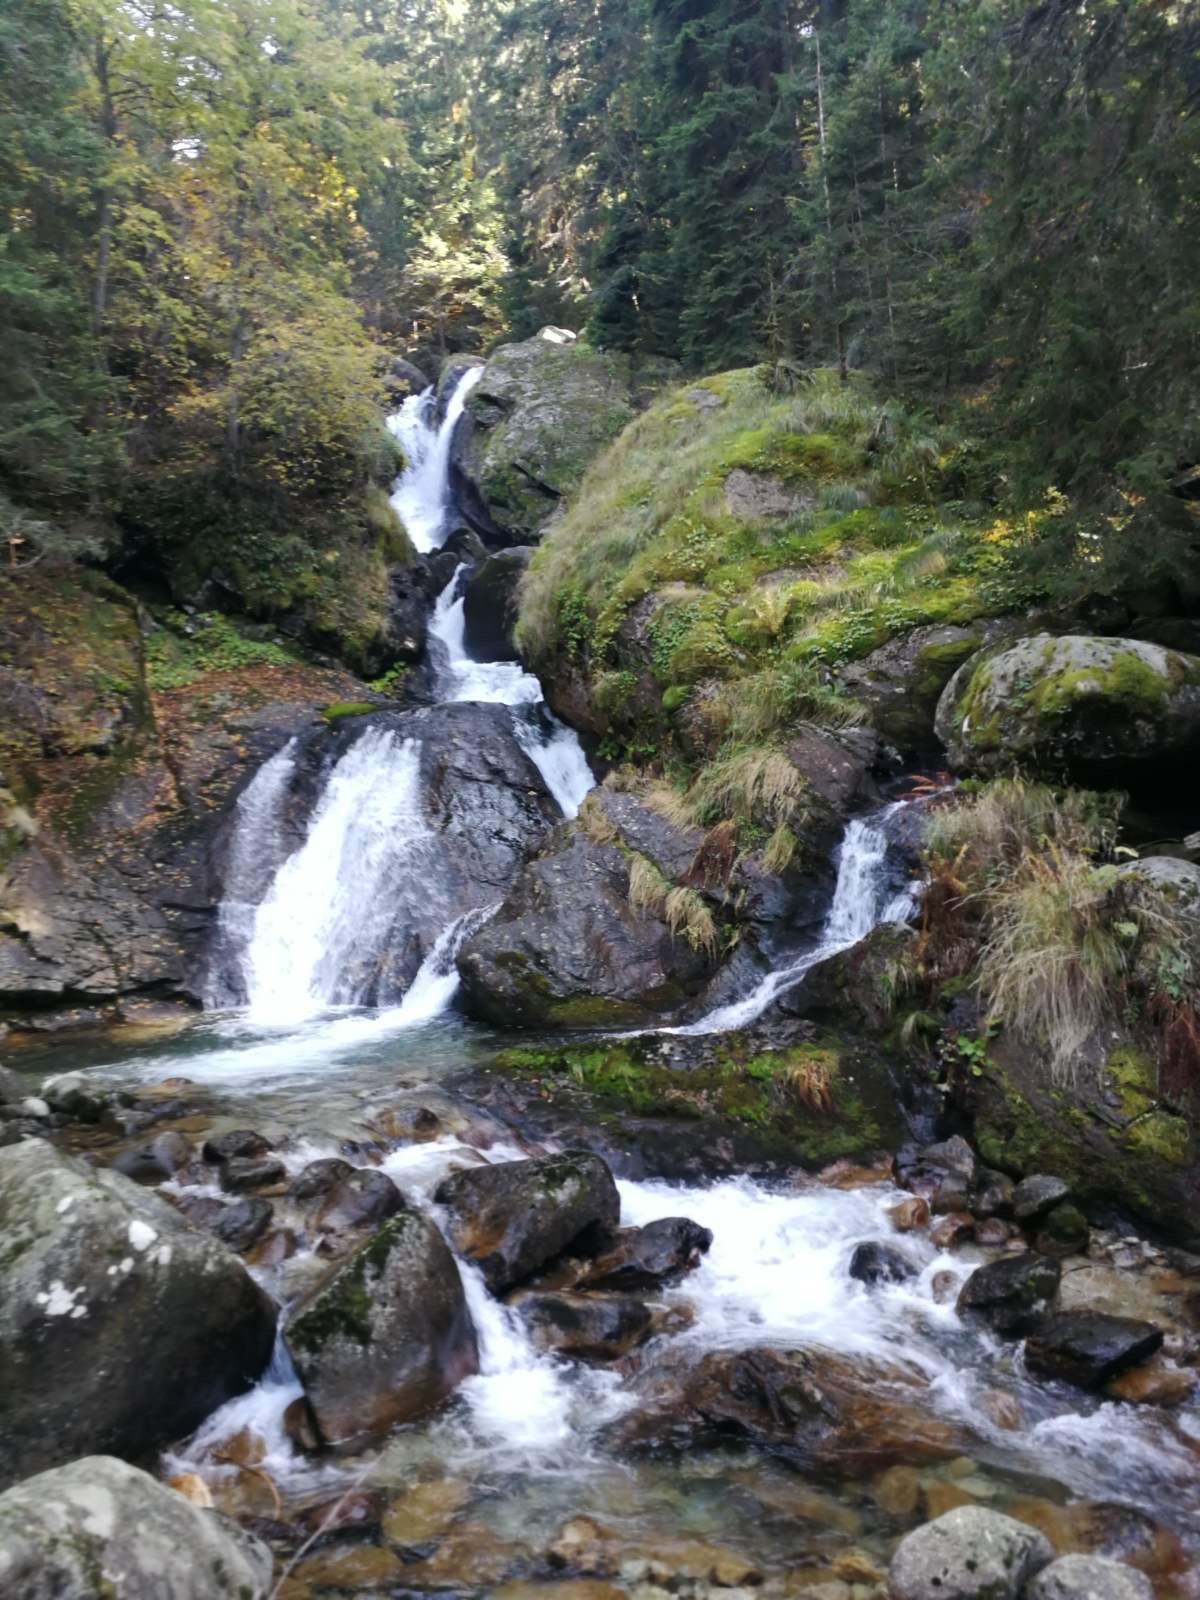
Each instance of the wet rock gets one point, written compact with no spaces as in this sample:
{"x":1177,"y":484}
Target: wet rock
{"x":242,"y":1224}
{"x":924,"y":1168}
{"x":874,"y":1261}
{"x":953,"y":1230}
{"x":992,"y":1233}
{"x":1078,"y":1577}
{"x":100,"y":1529}
{"x":100,"y":1277}
{"x":71,"y":1094}
{"x":240,"y":1143}
{"x":354,"y":1567}
{"x":365,"y":1198}
{"x":993,"y":1194}
{"x":1036,"y":1195}
{"x":300,"y":1425}
{"x":1087,"y":1348}
{"x":13,"y":1088}
{"x":952,"y":1196}
{"x":661,"y":1252}
{"x":591,"y":1327}
{"x":1157,"y":1382}
{"x":820,"y":1410}
{"x":386,"y":1337}
{"x":247,"y":1172}
{"x":490,"y":604}
{"x":968,"y":1554}
{"x":161,"y":1158}
{"x":1012,"y":1294}
{"x":318,"y":1177}
{"x":513,"y":1217}
{"x":909,"y":1215}
{"x":471,"y":1559}
{"x":898,"y":1491}
{"x":403,"y":379}
{"x":1064,"y":1231}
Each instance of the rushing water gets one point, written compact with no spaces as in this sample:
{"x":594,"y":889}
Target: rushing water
{"x":300,"y":936}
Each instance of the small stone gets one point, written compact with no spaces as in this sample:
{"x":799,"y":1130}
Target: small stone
{"x":363,"y":1200}
{"x":1087,"y":1348}
{"x":243,"y":1223}
{"x":952,"y":1195}
{"x":300,"y":1425}
{"x":1078,"y":1577}
{"x":898,"y":1491}
{"x":192,"y":1487}
{"x":993,"y":1194}
{"x":248,"y":1172}
{"x":1157,"y":1382}
{"x":909,"y":1215}
{"x":354,"y":1567}
{"x":955,"y":1229}
{"x":1035,"y":1196}
{"x":1064,"y":1232}
{"x":874,"y":1261}
{"x":1002,"y":1409}
{"x":968,"y":1554}
{"x":944,"y":1286}
{"x":992,"y":1233}
{"x":425,"y":1511}
{"x":318,"y":1177}
{"x":242,"y":1142}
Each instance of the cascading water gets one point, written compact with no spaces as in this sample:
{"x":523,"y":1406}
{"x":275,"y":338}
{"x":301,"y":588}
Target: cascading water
{"x":421,"y":496}
{"x":864,"y":896}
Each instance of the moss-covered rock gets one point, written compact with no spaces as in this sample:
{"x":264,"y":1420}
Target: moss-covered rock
{"x":537,"y":417}
{"x":1111,"y":1134}
{"x":1077,"y":706}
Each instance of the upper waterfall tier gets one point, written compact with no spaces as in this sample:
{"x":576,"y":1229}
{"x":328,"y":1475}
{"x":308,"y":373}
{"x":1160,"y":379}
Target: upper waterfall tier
{"x":421,"y":495}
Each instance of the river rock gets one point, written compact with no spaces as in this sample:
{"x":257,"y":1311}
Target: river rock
{"x":643,"y":1258}
{"x":993,"y":1194}
{"x":161,"y":1158}
{"x":490,"y":604}
{"x":251,"y":1172}
{"x":243,"y":1223}
{"x":514,"y":1216}
{"x":318,"y":1177}
{"x":1078,"y":1577}
{"x":403,"y":379}
{"x":875,"y":1261}
{"x":1034,"y":1196}
{"x":1063,"y":1232}
{"x":847,"y":1415}
{"x":593,"y":1327}
{"x":386,"y":1337}
{"x":364,"y":1198}
{"x":538,"y":415}
{"x":102,"y":1278}
{"x":568,"y":949}
{"x":1012,"y":1294}
{"x":1094,"y":709}
{"x":100,"y":1529}
{"x":968,"y":1554}
{"x":1087,"y":1348}
{"x":242,"y":1144}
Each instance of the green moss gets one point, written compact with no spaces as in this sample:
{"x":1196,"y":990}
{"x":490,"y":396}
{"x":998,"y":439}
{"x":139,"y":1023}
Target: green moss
{"x":1127,"y":681}
{"x":1160,"y":1136}
{"x":348,"y":708}
{"x":1134,"y":1079}
{"x":342,"y":1307}
{"x":183,"y":649}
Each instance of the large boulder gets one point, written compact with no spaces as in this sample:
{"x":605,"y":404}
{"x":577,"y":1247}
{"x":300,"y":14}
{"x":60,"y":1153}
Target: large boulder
{"x":1082,"y":1577}
{"x":100,"y":1529}
{"x":1104,"y":711}
{"x":490,"y":604}
{"x":511,"y":1218}
{"x":901,"y":682}
{"x":537,"y":417}
{"x":386,"y":1337}
{"x":120,"y":1327}
{"x":968,"y":1554}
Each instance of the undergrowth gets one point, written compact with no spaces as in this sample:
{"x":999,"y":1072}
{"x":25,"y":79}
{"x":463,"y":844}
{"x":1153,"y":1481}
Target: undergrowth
{"x":184,"y":648}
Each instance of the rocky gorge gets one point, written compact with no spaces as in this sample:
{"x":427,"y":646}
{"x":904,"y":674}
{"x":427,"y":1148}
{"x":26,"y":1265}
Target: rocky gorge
{"x":772,"y":1167}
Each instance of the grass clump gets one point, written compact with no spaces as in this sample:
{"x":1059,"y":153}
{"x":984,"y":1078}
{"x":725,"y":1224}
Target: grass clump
{"x":183,"y":649}
{"x":1029,"y":897}
{"x":681,"y":907}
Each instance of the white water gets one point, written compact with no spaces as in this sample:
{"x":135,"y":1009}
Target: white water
{"x":421,"y":493}
{"x":335,"y":896}
{"x":553,"y":748}
{"x":862,"y":899}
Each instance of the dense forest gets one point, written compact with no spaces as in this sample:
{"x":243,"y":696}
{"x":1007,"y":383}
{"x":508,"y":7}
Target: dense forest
{"x":217,"y":219}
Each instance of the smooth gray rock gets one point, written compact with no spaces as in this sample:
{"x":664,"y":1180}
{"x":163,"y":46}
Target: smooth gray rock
{"x":120,"y":1326}
{"x":1079,"y":1577}
{"x":100,"y":1529}
{"x":514,"y":1216}
{"x":490,"y":604}
{"x":968,"y":1554}
{"x":1037,"y":1195}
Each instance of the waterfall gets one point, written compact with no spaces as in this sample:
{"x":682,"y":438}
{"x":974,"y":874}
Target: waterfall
{"x":553,"y":748}
{"x":333,"y":901}
{"x":421,"y":495}
{"x":863,"y":897}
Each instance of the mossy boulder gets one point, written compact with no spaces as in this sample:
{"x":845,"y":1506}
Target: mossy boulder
{"x":1115,"y":1133}
{"x":490,"y":604}
{"x":121,"y":1328}
{"x":537,"y":417}
{"x":1100,"y":710}
{"x":900,"y":683}
{"x":387,"y":1337}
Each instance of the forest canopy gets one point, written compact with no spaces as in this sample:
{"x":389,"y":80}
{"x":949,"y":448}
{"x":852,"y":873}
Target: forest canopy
{"x":219,"y":218}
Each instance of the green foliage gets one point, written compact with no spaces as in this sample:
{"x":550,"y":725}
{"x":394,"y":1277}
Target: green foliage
{"x":182,"y":649}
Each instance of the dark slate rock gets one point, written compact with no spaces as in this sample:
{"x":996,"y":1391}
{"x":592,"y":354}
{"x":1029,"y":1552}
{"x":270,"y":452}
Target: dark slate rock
{"x":590,"y":1327}
{"x":318,"y":1177}
{"x":1011,"y":1295}
{"x":240,"y":1142}
{"x":875,"y":1261}
{"x":1036,"y":1195}
{"x":243,"y":1223}
{"x":645,"y":1258}
{"x":247,"y":1172}
{"x":1087,"y":1348}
